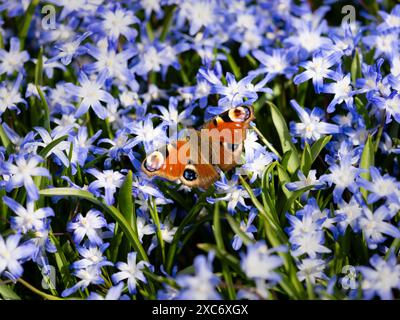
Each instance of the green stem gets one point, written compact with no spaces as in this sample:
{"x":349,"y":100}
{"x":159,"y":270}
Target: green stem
{"x":266,"y":142}
{"x":167,"y":23}
{"x":3,"y":137}
{"x":37,"y":291}
{"x":27,"y":22}
{"x":45,"y":108}
{"x":235,"y":68}
{"x":154,"y":216}
{"x":220,"y":245}
{"x":149,"y":30}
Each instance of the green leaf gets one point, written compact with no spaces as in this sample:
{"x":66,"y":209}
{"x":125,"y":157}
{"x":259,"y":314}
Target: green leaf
{"x":46,"y":150}
{"x":367,"y":160}
{"x":7,"y":293}
{"x":372,"y":6}
{"x":318,"y":146}
{"x":302,"y":93}
{"x":45,"y":109}
{"x":356,"y":67}
{"x":156,"y":219}
{"x":235,"y":68}
{"x":3,"y":137}
{"x":192,"y":214}
{"x":111,"y":210}
{"x":266,"y":215}
{"x":283,"y":179}
{"x":220,"y":245}
{"x":167,"y":22}
{"x":306,"y":160}
{"x":39,"y":68}
{"x":295,"y":195}
{"x":3,"y":211}
{"x":285,"y":138}
{"x":125,"y":201}
{"x":224,"y":256}
{"x":27,"y":22}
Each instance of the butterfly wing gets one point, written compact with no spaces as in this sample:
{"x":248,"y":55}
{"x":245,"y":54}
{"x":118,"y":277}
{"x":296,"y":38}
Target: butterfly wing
{"x":181,"y":161}
{"x":226,"y":133}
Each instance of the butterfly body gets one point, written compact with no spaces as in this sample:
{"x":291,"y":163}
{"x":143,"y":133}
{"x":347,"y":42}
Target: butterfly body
{"x":195,"y":160}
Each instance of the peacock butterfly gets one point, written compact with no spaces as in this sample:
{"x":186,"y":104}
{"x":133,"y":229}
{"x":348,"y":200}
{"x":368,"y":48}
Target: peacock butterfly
{"x":195,"y":160}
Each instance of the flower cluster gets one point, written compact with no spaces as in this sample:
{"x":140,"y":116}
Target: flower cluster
{"x":84,"y":97}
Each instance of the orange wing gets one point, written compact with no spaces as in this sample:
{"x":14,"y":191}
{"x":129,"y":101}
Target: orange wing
{"x":181,"y":162}
{"x":226,"y":133}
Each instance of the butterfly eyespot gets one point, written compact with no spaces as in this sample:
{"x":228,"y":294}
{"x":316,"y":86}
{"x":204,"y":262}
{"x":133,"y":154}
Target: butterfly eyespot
{"x":231,"y":146}
{"x":239,"y":114}
{"x":189,"y":175}
{"x":154,"y":161}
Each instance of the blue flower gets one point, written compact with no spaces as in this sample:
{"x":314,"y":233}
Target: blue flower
{"x":343,"y":175}
{"x":311,"y":243}
{"x":259,"y":262}
{"x":384,"y":42}
{"x":109,"y":180}
{"x":91,"y":275}
{"x":247,"y":228}
{"x":10,"y":95}
{"x":132,"y":271}
{"x":91,"y":94}
{"x":350,"y":212}
{"x":144,"y":131}
{"x":311,"y":127}
{"x":343,"y":92}
{"x":82,"y":144}
{"x":234,"y":93}
{"x":121,"y":145}
{"x":310,"y":180}
{"x":27,"y":219}
{"x":306,"y":230}
{"x":48,"y":67}
{"x":22,"y":144}
{"x":59,"y":149}
{"x":200,"y":286}
{"x":375,"y":224}
{"x":390,"y":20}
{"x":172,"y":117}
{"x":279,"y":61}
{"x":308,"y":37}
{"x":89,"y":226}
{"x":382,"y":278}
{"x":70,"y":49}
{"x":13,"y":60}
{"x":390,"y":105}
{"x":235,"y":194}
{"x":92,"y":257}
{"x":380,"y":187}
{"x":318,"y":69}
{"x":15,"y":8}
{"x":114,"y":293}
{"x":199,"y":13}
{"x":116,"y":21}
{"x":116,"y":63}
{"x":256,"y":166}
{"x":311,"y":269}
{"x":386,"y":145}
{"x":13,"y":255}
{"x":346,"y":38}
{"x":372,"y":83}
{"x":21,"y":174}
